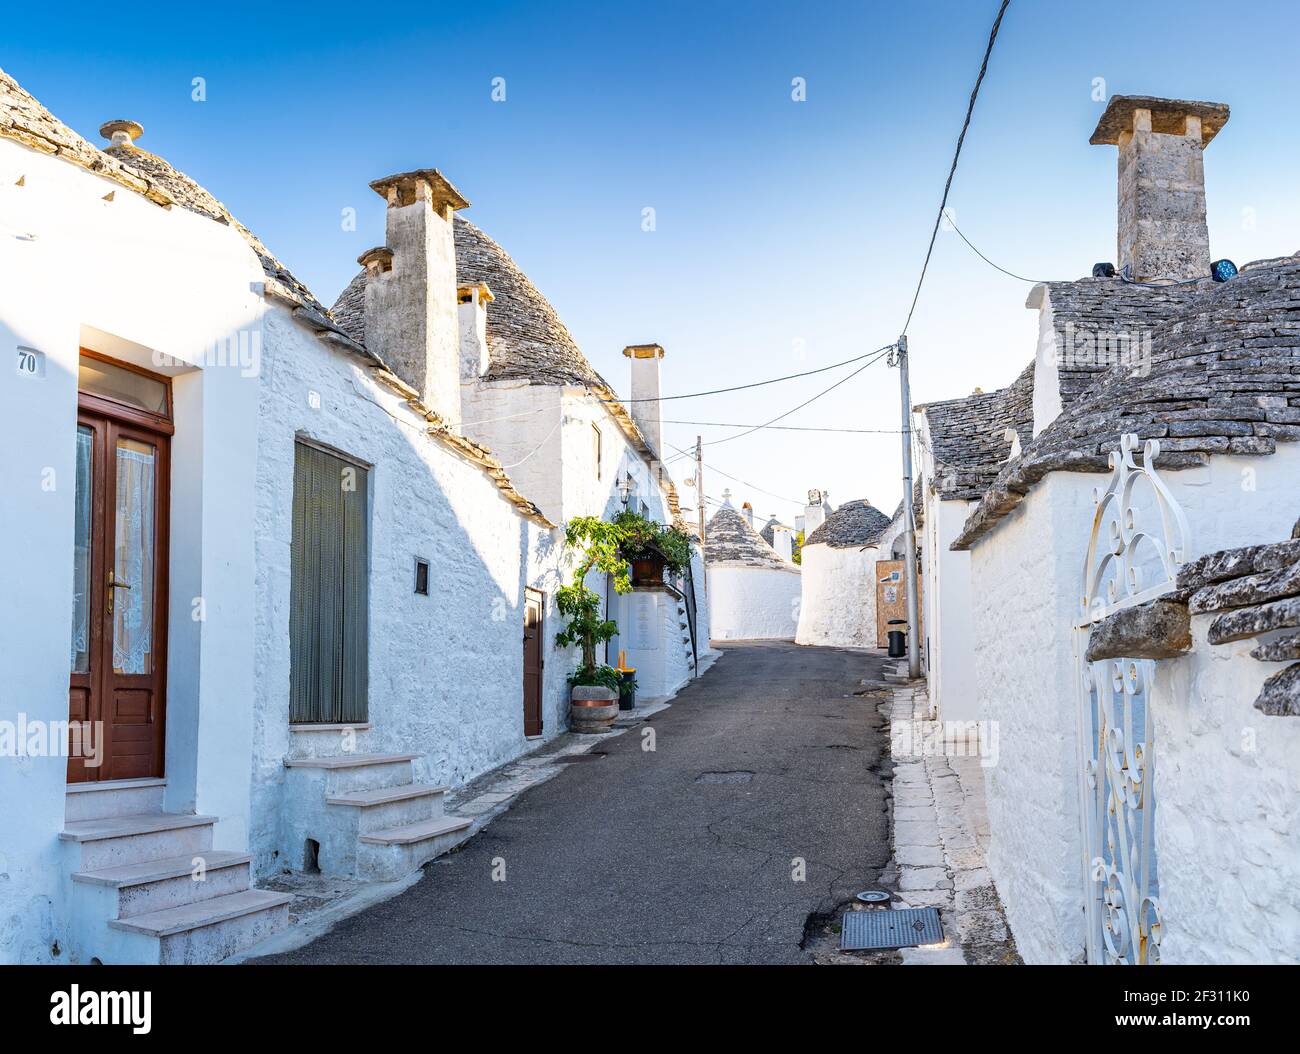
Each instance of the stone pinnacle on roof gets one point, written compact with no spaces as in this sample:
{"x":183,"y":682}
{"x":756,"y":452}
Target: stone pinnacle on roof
{"x":121,"y":132}
{"x":731,"y":539}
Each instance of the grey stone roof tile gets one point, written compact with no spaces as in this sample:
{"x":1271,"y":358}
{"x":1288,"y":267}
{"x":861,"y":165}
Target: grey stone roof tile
{"x":729,"y":539}
{"x":855,"y":523}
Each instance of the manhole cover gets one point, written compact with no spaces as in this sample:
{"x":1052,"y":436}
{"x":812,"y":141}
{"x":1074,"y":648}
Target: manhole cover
{"x":724,"y":777}
{"x":567,"y":759}
{"x":890,"y":928}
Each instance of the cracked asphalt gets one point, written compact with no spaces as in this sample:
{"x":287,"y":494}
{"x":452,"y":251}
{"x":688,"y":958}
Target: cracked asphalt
{"x":632,"y":859}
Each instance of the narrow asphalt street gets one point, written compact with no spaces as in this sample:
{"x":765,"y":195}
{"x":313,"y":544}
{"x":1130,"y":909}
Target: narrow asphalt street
{"x":689,"y":853}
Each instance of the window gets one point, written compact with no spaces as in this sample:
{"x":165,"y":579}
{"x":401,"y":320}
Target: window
{"x":329,"y":591}
{"x":595,"y":447}
{"x":422,"y":576}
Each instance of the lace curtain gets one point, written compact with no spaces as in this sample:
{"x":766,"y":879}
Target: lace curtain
{"x":133,"y":560}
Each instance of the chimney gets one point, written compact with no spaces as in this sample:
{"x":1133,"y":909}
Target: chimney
{"x":411,"y":315}
{"x":472,"y":302}
{"x":814,"y":513}
{"x":747,"y":510}
{"x":1162,"y":231}
{"x":783,"y":542}
{"x":645,"y":386}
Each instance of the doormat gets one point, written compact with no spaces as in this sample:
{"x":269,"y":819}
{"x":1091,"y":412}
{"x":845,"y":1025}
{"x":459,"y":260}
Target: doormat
{"x":890,"y":928}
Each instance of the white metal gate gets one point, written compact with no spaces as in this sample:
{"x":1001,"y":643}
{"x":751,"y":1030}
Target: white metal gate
{"x":1128,"y":563}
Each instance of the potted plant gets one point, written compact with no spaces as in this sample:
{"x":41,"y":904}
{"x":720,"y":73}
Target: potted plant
{"x":651,"y":548}
{"x":593,"y":686}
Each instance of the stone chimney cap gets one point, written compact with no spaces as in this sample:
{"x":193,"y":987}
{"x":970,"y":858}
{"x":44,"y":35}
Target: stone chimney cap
{"x":405,"y":188}
{"x":485,"y":295}
{"x":129,"y":131}
{"x":1167,"y":117}
{"x":644,"y":351}
{"x":381,"y":257}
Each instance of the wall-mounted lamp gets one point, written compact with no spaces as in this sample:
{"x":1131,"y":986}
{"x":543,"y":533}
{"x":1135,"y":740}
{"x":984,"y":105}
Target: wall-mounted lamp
{"x":625,"y":488}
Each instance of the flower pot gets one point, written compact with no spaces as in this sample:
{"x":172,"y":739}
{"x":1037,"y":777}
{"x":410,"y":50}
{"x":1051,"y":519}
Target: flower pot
{"x":592,"y":708}
{"x":648,"y":570}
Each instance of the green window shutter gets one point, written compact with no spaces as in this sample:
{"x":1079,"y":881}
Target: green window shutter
{"x":329,"y":593}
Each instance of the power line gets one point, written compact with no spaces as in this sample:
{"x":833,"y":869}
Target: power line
{"x":754,"y":384}
{"x":737,"y":479}
{"x":783,"y":428}
{"x":1010,"y":274}
{"x":952,"y":171}
{"x":825,"y":391}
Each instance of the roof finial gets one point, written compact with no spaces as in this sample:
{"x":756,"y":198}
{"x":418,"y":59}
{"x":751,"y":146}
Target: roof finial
{"x":726,"y":498}
{"x":121,"y":132}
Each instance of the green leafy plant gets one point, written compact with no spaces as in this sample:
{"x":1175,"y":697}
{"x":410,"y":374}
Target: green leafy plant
{"x":599,"y":543}
{"x":797,"y":556}
{"x":643,"y":537}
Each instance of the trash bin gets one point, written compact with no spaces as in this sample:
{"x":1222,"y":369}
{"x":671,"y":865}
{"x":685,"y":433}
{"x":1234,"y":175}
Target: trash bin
{"x":627,"y":689}
{"x":897,"y":638}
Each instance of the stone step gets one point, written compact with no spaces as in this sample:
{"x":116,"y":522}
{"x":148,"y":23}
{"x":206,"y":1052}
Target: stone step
{"x":411,"y":833}
{"x":344,"y":773}
{"x":116,"y":840}
{"x":391,"y":853}
{"x":384,"y":807}
{"x":96,"y":799}
{"x":153,"y":885}
{"x":211,"y":930}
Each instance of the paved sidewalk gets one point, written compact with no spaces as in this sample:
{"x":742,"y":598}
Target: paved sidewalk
{"x":941,"y":835}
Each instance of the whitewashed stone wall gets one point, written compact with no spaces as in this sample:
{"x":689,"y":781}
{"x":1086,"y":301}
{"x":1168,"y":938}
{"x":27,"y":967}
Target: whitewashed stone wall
{"x":446,"y":670}
{"x":1227,"y":831}
{"x":127,"y":278}
{"x":1026,"y":578}
{"x":838,"y":607}
{"x":1026,"y":575}
{"x":753,"y":603}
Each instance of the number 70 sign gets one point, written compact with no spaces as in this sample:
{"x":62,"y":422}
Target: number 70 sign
{"x":31,"y":363}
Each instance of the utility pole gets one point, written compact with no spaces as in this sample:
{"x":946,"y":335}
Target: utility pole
{"x":909,"y":518}
{"x":699,"y":501}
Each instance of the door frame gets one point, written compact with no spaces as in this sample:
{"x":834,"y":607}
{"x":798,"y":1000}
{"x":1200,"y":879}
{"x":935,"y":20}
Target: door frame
{"x":114,"y":420}
{"x":535,"y":596}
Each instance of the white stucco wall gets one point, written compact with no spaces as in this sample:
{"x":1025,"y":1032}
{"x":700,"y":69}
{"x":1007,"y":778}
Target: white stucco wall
{"x":1227,"y":822}
{"x":446,"y":670}
{"x":838,"y":607}
{"x":1026,"y":576}
{"x":130,"y":279}
{"x":753,"y":603}
{"x":949,"y":614}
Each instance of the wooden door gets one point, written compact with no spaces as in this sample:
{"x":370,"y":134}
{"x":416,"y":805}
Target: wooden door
{"x":534,"y":609}
{"x":116,"y":702}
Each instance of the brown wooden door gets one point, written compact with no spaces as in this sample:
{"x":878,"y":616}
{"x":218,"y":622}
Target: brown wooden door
{"x":891,"y":598}
{"x":118,"y":660}
{"x":534,"y":608}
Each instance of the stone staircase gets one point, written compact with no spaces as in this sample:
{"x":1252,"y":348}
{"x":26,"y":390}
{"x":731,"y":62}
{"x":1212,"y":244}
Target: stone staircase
{"x":148,"y":888}
{"x":362,"y":816}
{"x":684,"y":630}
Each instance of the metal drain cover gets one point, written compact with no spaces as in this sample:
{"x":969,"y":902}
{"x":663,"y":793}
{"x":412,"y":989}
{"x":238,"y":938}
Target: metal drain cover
{"x":890,"y":928}
{"x":739,"y":776}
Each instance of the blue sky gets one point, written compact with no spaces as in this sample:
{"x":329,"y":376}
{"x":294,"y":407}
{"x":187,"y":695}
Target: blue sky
{"x":788,"y":234}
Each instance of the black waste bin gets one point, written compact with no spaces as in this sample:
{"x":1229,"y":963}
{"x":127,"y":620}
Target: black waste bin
{"x":627,"y":689}
{"x":897,"y":638}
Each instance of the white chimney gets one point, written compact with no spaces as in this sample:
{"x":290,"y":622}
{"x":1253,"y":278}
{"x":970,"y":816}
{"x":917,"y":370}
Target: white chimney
{"x":814,"y":513}
{"x":1162,"y":230}
{"x":747,"y":510}
{"x":472,"y":302}
{"x":645,"y":392}
{"x":783,"y":541}
{"x":412,"y":320}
